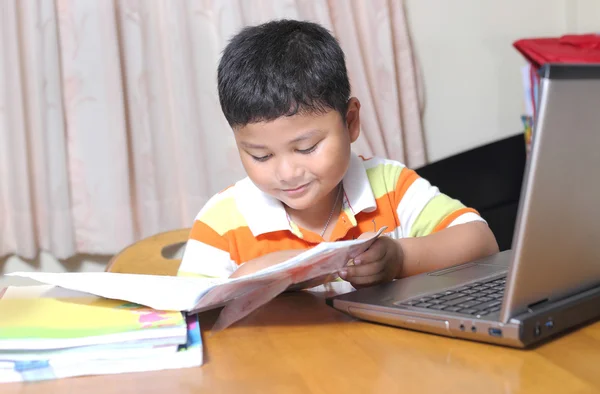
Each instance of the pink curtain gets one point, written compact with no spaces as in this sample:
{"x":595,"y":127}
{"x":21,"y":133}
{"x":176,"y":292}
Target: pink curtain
{"x":110,"y":126}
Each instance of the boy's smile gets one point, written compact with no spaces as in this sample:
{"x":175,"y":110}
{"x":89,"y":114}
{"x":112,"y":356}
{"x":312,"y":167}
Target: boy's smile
{"x":297,"y":191}
{"x":300,"y":160}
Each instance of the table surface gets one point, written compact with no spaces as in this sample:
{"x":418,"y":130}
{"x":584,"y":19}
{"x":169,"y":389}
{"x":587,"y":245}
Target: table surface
{"x":297,"y":344}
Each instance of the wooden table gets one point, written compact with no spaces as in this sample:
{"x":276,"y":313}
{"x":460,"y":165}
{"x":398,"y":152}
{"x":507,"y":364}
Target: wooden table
{"x":297,"y":344}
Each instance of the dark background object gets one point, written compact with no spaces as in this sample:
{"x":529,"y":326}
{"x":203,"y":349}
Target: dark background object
{"x":488,"y":179}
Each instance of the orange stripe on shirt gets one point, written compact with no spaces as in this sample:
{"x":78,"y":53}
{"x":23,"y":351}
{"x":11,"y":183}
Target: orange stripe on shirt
{"x":205,"y":234}
{"x":406,"y":179}
{"x":450,"y":218}
{"x":244,"y":246}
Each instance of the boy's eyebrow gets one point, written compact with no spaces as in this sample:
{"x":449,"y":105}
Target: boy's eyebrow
{"x":302,"y":137}
{"x":252,"y":146}
{"x":305,"y":136}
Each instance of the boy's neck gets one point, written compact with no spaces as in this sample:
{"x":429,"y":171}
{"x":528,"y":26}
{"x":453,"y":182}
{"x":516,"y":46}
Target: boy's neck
{"x":315,"y":217}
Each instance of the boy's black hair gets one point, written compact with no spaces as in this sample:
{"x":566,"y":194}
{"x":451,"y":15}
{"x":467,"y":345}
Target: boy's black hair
{"x":282,"y":68}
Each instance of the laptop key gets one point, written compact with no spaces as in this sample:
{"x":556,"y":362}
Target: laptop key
{"x":437,"y":301}
{"x":487,"y":305}
{"x":469,"y":304}
{"x":423,"y":305}
{"x":459,"y":300}
{"x":463,"y":288}
{"x":484,"y":299}
{"x":494,"y":309}
{"x":453,"y":309}
{"x":468,"y":311}
{"x":425,"y":299}
{"x":451,"y":296}
{"x":438,"y":307}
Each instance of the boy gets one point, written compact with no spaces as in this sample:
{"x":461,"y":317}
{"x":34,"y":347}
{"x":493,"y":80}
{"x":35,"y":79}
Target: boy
{"x":284,"y":90}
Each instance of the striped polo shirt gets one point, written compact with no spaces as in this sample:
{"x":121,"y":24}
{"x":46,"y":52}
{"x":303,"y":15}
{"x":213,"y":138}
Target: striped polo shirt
{"x":242,"y":222}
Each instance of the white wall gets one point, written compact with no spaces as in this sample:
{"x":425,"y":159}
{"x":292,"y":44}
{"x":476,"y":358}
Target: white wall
{"x":471,"y":72}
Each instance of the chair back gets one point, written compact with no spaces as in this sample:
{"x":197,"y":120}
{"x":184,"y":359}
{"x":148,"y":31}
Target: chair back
{"x":154,"y":255}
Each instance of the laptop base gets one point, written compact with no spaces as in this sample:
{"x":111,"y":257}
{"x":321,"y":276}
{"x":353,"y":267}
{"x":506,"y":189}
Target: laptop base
{"x":542,"y":322}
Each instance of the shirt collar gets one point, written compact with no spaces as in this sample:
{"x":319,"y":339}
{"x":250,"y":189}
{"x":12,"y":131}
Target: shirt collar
{"x":357,"y":187}
{"x":265,"y":214}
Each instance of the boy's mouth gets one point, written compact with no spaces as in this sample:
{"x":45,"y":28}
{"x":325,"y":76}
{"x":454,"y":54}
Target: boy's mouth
{"x":297,"y":190}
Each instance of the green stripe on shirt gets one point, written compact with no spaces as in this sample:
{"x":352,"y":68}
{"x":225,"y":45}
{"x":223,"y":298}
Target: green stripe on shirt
{"x":434,"y":212}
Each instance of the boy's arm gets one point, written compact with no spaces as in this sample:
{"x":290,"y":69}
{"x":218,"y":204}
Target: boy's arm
{"x":389,"y":259}
{"x":454,"y":245}
{"x":438,"y":231}
{"x":435,"y":232}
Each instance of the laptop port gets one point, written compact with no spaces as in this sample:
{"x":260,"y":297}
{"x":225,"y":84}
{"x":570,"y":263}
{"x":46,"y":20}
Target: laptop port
{"x":495,"y":332}
{"x":550,"y":324}
{"x":473,"y":329}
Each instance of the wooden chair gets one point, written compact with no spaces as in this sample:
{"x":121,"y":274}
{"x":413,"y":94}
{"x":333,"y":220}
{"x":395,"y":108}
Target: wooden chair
{"x":152,"y":255}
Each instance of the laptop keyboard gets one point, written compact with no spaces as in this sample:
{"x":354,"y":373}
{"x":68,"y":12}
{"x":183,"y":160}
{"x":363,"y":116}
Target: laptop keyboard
{"x":480,"y":299}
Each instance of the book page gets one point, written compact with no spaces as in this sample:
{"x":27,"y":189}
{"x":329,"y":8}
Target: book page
{"x":167,"y":293}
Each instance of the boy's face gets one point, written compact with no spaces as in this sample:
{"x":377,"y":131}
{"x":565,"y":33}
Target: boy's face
{"x":300,"y":159}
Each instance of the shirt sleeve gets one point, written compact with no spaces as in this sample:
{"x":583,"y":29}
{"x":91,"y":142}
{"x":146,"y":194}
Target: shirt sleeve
{"x":207,"y":251}
{"x":422,"y":209}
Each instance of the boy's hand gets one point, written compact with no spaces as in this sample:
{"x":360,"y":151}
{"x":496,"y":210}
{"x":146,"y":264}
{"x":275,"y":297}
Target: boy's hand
{"x":382,"y":262}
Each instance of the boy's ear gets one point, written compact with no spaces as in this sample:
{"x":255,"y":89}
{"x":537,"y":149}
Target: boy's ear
{"x":353,"y":118}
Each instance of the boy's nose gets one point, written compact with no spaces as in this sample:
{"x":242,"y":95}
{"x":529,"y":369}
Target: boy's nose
{"x":288,"y":172}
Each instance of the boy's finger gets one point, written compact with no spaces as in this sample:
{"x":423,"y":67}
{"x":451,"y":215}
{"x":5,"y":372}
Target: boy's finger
{"x":367,"y":280}
{"x":375,"y":253}
{"x":362,"y":270}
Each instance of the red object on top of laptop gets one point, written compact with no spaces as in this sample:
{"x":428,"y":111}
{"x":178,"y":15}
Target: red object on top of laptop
{"x":582,"y":48}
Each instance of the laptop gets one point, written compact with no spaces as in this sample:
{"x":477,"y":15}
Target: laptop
{"x":549,"y":282}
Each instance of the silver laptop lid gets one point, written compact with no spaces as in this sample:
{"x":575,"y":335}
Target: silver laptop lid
{"x":556,"y":245}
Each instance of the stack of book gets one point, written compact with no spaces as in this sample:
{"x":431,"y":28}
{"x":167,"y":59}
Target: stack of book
{"x":50,"y":333}
{"x":92,"y":323}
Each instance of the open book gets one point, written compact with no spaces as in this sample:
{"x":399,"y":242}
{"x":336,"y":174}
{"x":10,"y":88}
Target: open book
{"x":239,"y":295}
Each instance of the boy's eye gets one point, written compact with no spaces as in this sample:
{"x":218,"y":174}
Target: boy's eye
{"x":261,"y":158}
{"x":309,"y":150}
